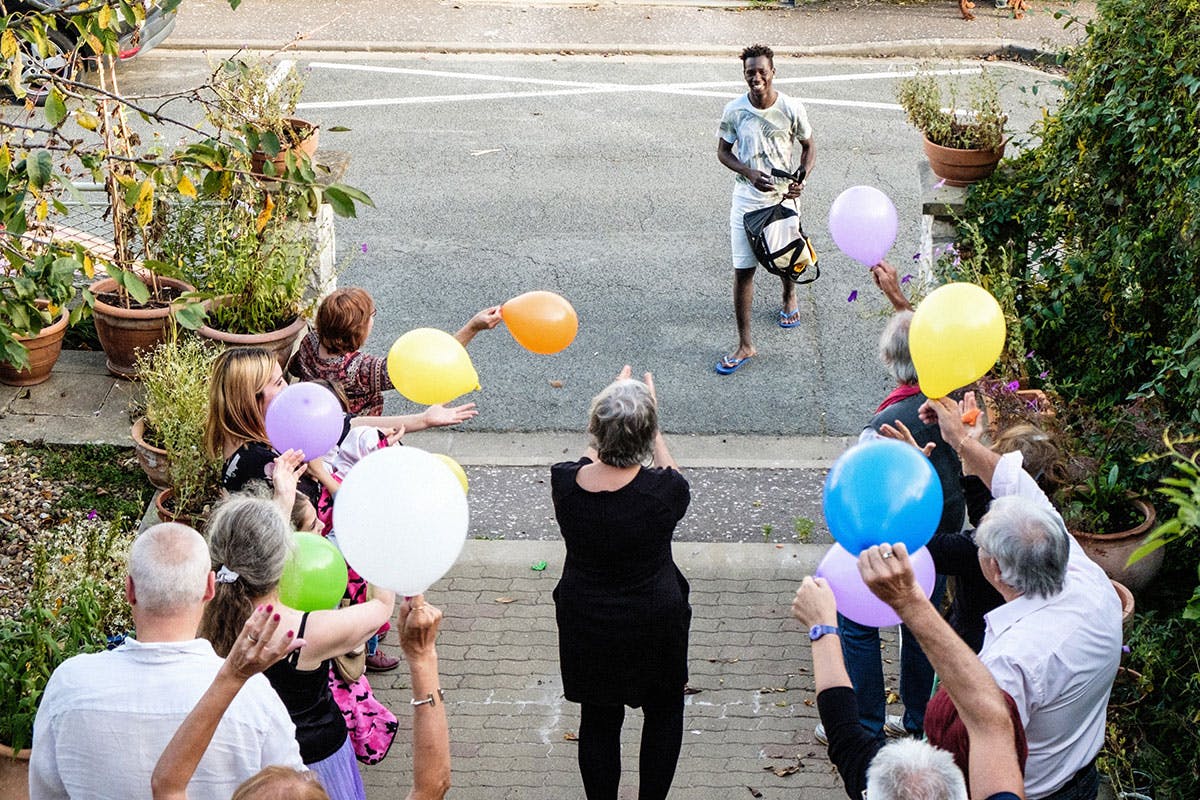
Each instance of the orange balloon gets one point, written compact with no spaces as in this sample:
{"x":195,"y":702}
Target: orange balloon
{"x":541,"y":322}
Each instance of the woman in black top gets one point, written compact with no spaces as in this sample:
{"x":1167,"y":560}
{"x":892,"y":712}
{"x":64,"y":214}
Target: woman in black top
{"x":250,"y":541}
{"x":622,"y":604}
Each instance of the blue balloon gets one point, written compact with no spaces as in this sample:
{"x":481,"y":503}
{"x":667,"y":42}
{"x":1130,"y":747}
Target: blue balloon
{"x":882,"y":492}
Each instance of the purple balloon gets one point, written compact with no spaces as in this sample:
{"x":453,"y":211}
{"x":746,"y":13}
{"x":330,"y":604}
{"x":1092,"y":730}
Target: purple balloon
{"x":863,"y":224}
{"x":854,"y":599}
{"x":305,"y":417}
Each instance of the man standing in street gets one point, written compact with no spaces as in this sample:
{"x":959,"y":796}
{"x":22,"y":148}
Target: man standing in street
{"x":759,"y":132}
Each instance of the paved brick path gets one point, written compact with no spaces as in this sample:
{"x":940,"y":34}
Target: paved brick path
{"x":508,"y":719}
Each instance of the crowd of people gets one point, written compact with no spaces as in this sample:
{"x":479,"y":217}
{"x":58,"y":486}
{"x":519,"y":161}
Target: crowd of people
{"x":226,"y":691}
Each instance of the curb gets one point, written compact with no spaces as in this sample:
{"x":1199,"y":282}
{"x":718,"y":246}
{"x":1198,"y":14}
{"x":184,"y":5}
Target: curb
{"x":901,"y":48}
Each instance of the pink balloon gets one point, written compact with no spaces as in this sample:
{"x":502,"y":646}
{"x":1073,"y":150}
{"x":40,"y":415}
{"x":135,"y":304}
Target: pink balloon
{"x":854,"y":599}
{"x":305,"y":417}
{"x":863,"y":224}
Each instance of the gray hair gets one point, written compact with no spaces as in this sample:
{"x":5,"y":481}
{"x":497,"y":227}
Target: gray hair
{"x":893,"y":348}
{"x":1029,"y":543}
{"x":168,"y":563}
{"x":623,"y":423}
{"x":909,"y":769}
{"x":250,"y":536}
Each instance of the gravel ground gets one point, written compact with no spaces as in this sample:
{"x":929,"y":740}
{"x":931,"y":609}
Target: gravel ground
{"x":33,"y":505}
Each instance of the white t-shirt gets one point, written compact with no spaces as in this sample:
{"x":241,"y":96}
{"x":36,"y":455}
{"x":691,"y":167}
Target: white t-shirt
{"x":105,"y":718}
{"x":763,"y":138}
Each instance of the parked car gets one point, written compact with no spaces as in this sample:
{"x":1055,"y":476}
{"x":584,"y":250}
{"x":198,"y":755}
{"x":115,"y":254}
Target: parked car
{"x":64,"y":57}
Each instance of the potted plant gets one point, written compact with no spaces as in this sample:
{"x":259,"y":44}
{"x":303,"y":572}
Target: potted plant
{"x":249,"y":264}
{"x":963,"y":145}
{"x":256,"y":98}
{"x":75,"y":603}
{"x":36,"y":284}
{"x":174,"y":410}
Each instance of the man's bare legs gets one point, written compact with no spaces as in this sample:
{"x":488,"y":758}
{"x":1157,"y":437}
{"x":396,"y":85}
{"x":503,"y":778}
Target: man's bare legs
{"x":743,"y":299}
{"x":790,"y":304}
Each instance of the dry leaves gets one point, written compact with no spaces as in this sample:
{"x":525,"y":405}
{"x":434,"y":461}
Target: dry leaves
{"x":783,"y":772}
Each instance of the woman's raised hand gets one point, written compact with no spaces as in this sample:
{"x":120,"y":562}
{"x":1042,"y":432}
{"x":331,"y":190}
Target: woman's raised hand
{"x":260,"y":644}
{"x":440,"y":416}
{"x":419,"y":623}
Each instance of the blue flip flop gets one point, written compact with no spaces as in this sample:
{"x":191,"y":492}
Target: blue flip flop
{"x":789,"y":319}
{"x":728,"y":366}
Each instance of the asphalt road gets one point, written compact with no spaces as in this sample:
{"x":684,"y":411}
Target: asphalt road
{"x":597,"y":178}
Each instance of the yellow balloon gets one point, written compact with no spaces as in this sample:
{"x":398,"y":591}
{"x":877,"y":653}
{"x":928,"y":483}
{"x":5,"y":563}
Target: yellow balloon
{"x":957,"y":333}
{"x":456,"y":468}
{"x":429,"y":366}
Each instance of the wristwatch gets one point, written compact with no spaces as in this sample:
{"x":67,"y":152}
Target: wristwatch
{"x":817,"y":631}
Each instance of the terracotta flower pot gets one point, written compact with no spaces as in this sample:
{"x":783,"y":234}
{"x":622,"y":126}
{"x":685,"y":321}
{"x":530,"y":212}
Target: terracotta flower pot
{"x":14,"y":773}
{"x":280,"y":342}
{"x":44,"y":350}
{"x":153,"y":460}
{"x":125,"y":331}
{"x":164,"y":506}
{"x":1112,"y":550}
{"x":1127,"y":604}
{"x":962,"y":167}
{"x":306,"y":147}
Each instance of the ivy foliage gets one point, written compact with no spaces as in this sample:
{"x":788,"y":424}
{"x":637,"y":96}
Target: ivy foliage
{"x":1099,"y":224}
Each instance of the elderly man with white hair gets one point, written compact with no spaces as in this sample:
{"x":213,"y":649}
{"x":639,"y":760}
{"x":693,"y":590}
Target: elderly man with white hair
{"x":105,"y":717}
{"x":1055,"y":643}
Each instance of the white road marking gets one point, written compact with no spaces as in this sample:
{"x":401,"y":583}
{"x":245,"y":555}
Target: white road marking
{"x":698,"y":89}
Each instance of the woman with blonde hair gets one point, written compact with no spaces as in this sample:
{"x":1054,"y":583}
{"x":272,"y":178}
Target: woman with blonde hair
{"x":249,"y":542}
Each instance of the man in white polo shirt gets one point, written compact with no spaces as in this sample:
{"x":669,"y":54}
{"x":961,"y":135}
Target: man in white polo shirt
{"x":106,"y":717}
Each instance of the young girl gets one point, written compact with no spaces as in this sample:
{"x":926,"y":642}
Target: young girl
{"x":344,"y":323}
{"x":244,"y":382}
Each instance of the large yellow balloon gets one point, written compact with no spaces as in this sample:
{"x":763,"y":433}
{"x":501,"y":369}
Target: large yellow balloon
{"x":429,"y":366}
{"x":957,"y":333}
{"x":541,"y":322}
{"x":456,"y":468}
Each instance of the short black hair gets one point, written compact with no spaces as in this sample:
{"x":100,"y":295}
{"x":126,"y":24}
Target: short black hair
{"x":756,"y":50}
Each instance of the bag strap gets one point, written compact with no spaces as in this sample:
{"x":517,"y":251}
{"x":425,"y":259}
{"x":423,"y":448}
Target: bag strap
{"x":294,"y":657}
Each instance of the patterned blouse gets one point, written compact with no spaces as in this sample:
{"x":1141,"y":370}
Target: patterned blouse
{"x":363,"y":377}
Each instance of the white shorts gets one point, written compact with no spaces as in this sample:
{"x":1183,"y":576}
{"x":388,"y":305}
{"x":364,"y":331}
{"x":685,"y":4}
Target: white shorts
{"x":739,"y":244}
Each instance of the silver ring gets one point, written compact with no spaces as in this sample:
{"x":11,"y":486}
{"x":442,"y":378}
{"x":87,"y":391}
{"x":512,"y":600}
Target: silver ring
{"x":253,"y":640}
{"x":888,"y":554}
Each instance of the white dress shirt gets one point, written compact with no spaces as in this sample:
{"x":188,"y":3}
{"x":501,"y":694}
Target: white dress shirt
{"x":105,"y":718}
{"x":1056,"y":656}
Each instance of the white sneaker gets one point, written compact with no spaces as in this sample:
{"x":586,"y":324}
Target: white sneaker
{"x":819,"y":735}
{"x":893,"y":727}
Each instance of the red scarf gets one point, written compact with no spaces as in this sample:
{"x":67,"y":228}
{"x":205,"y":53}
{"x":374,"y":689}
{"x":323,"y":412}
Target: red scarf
{"x":901,"y":392}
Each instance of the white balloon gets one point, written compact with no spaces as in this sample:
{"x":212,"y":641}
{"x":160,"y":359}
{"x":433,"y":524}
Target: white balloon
{"x":401,"y":519}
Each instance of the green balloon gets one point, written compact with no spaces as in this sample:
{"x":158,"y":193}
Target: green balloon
{"x":314,"y":578}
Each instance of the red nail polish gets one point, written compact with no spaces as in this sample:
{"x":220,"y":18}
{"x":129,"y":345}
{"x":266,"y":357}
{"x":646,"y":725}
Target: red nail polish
{"x":277,"y":618}
{"x":270,"y":609}
{"x":290,"y":634}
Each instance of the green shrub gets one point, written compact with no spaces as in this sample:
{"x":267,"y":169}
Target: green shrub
{"x":1100,"y":222}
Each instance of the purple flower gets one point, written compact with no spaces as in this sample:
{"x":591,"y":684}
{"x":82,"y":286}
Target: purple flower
{"x":940,"y":184}
{"x":1125,"y":648}
{"x":916,"y":256}
{"x":1044,"y":374}
{"x":853,"y":296}
{"x":1012,"y":386}
{"x":1030,"y":354}
{"x":907,"y":277}
{"x":363,"y":247}
{"x":92,"y":514}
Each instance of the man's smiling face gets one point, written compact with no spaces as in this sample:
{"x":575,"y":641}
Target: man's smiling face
{"x":758,"y":73}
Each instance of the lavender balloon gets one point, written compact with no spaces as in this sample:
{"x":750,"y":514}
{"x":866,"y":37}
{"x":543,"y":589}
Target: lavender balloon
{"x":305,"y":417}
{"x":863,"y":224}
{"x":854,"y":599}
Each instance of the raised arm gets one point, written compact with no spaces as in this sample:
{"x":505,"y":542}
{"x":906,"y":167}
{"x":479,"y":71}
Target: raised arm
{"x":484,"y":320}
{"x":419,"y":623}
{"x":662,"y":456}
{"x":258,"y":646}
{"x":980,"y":701}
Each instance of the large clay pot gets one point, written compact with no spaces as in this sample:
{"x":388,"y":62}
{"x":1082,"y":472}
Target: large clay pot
{"x":962,"y":167}
{"x":1112,"y":550}
{"x":125,"y":331}
{"x":281,"y":343}
{"x":1127,"y":604}
{"x":307,"y":147}
{"x":44,"y":350}
{"x":14,"y":773}
{"x":153,"y":460}
{"x":164,"y":506}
